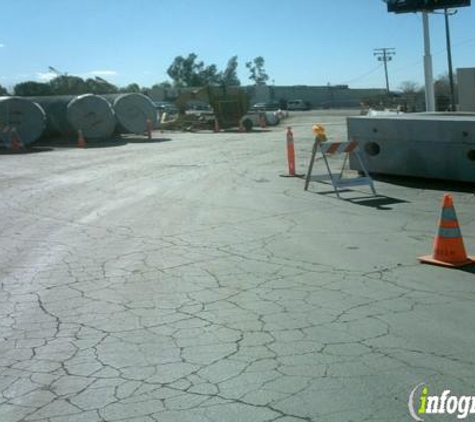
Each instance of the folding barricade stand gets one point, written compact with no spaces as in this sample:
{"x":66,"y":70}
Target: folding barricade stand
{"x":338,"y":181}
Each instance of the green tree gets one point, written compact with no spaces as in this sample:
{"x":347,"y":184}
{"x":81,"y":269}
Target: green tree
{"x":229,"y":76}
{"x":68,"y":85}
{"x":3,"y":91}
{"x":257,"y":73}
{"x":164,"y":84}
{"x":32,"y":88}
{"x":100,"y":86}
{"x":145,"y":91}
{"x":133,"y":87}
{"x":208,"y":75}
{"x":188,"y":72}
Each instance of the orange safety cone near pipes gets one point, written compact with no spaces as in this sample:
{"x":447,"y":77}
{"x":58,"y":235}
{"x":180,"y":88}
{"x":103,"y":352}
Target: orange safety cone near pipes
{"x":262,"y":121}
{"x":81,"y":141}
{"x":448,"y":249}
{"x":216,"y":125}
{"x":149,"y":129}
{"x":17,"y":144}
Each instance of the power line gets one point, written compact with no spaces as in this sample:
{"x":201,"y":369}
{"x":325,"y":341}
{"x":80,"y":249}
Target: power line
{"x":412,"y":64}
{"x":357,"y":78}
{"x":385,"y":55}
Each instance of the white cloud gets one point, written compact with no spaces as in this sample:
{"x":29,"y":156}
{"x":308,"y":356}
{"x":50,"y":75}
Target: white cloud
{"x":102,"y":73}
{"x":45,"y":76}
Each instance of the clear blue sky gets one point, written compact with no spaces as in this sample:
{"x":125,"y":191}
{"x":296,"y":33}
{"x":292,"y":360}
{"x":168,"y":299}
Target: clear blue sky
{"x":308,"y":42}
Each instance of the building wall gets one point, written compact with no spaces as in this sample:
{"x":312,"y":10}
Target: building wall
{"x":466,"y":89}
{"x":317,"y":96}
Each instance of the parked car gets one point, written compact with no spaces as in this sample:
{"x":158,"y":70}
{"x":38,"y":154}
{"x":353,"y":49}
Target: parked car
{"x":269,"y":106}
{"x":298,"y":105}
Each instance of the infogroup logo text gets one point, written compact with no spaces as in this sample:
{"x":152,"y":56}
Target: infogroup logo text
{"x":443,"y":404}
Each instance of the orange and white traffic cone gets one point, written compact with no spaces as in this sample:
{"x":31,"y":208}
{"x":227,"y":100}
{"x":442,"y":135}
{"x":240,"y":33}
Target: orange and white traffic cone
{"x":17,"y":144}
{"x":262,"y":121}
{"x":290,"y":155}
{"x":149,"y":129}
{"x":290,"y":151}
{"x":81,"y":141}
{"x":448,"y":249}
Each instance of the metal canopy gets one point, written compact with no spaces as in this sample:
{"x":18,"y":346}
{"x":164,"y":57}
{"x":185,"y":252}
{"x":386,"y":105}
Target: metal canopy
{"x":407,"y":6}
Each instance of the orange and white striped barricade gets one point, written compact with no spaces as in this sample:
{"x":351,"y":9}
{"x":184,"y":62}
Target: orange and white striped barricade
{"x":338,"y":182}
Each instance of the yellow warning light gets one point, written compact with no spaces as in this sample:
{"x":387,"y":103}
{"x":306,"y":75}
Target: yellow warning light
{"x":319,"y":131}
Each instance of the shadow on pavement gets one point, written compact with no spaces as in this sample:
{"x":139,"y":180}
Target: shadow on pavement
{"x":48,"y":144}
{"x":26,"y":150}
{"x":106,"y":143}
{"x":142,"y":140}
{"x":379,"y":202}
{"x":63,"y":142}
{"x":428,"y":184}
{"x":467,"y":269}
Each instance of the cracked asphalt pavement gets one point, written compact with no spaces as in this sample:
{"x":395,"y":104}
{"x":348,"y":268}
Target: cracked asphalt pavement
{"x":183,"y":280}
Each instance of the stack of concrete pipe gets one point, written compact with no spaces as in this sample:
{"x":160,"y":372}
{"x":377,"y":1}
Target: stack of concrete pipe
{"x":67,"y":114}
{"x":132,"y":112}
{"x":22,"y":116}
{"x":97,"y":116}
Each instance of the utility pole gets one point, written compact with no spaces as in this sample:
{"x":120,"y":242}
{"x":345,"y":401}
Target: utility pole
{"x":426,"y":6}
{"x":428,"y":74}
{"x":449,"y":58}
{"x":385,"y":55}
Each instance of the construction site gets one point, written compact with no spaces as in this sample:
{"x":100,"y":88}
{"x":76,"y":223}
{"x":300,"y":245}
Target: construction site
{"x":209,"y":256}
{"x":180,"y":277}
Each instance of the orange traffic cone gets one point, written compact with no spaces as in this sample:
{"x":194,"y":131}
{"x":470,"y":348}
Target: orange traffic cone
{"x":17,"y":144}
{"x":216,"y":125}
{"x":448,"y":249}
{"x":262,"y":121}
{"x":290,"y":155}
{"x":81,"y":141}
{"x":290,"y":151}
{"x":149,"y":129}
